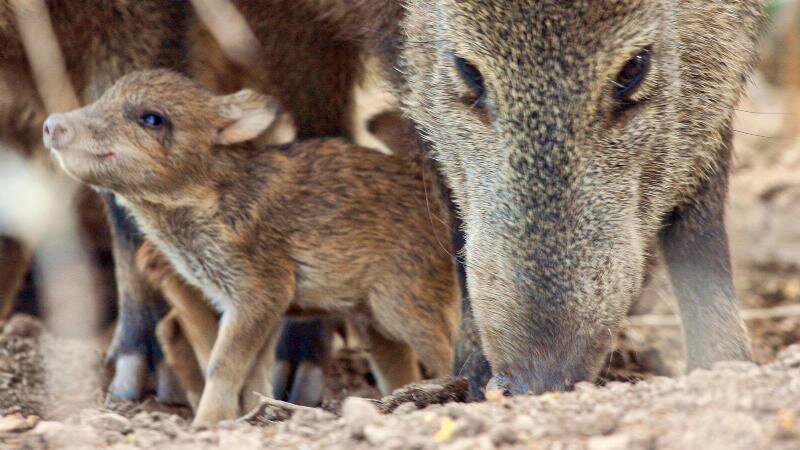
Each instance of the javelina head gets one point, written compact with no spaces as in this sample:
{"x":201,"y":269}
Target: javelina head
{"x":153,"y":132}
{"x":568,"y":131}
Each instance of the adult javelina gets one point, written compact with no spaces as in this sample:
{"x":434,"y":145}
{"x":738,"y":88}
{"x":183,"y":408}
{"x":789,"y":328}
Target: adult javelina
{"x":579,"y":138}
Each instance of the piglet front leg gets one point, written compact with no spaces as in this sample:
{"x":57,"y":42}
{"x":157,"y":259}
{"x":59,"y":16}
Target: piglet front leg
{"x":242,"y":335}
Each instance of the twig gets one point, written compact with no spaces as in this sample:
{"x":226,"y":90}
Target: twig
{"x":285,"y":405}
{"x":44,"y":55}
{"x":670,"y":320}
{"x":229,"y":27}
{"x":261,"y":413}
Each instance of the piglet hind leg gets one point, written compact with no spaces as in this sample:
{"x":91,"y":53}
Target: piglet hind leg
{"x":394,"y":363}
{"x":695,"y":247}
{"x":412,"y":327}
{"x":180,"y":356}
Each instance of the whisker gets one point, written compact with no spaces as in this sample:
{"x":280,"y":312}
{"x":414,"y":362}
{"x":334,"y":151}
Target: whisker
{"x":754,"y":134}
{"x":466,"y":363}
{"x":761,"y":113}
{"x":460,"y":258}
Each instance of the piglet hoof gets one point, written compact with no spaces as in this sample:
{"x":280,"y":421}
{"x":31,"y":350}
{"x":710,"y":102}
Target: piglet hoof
{"x":168,"y":389}
{"x":130,"y":374}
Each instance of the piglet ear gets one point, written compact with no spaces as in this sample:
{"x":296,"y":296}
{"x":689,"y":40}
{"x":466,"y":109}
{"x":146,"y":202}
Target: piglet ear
{"x":246,"y":115}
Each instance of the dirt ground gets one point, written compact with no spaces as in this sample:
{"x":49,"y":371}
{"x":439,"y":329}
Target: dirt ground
{"x":736,"y":405}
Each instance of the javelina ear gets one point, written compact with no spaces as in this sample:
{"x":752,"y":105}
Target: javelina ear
{"x":246,"y":115}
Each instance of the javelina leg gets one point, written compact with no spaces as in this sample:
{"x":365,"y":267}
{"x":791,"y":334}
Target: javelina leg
{"x":695,"y":246}
{"x":15,"y":260}
{"x":134,"y":350}
{"x":242,"y":336}
{"x":304,"y":350}
{"x":179,"y":355}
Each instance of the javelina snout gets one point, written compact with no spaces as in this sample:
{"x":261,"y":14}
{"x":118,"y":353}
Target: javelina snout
{"x":550,"y":289}
{"x":571,"y":361}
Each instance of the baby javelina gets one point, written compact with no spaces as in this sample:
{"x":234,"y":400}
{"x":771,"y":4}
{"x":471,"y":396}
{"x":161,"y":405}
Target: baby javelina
{"x":315,"y":227}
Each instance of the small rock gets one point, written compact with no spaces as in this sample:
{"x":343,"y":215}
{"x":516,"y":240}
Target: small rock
{"x":503,"y":435}
{"x":80,"y":436}
{"x":315,"y":415}
{"x":613,"y":442}
{"x":358,"y":413}
{"x":523,"y":422}
{"x":617,"y":387}
{"x":110,"y":421}
{"x":790,"y":356}
{"x":494,"y":395}
{"x":480,"y":443}
{"x":377,"y":435}
{"x":240,"y":440}
{"x":49,"y":427}
{"x":446,"y":430}
{"x":227,"y":425}
{"x":23,"y":325}
{"x":17,"y":422}
{"x":143,"y":437}
{"x":405,"y":408}
{"x":787,"y":424}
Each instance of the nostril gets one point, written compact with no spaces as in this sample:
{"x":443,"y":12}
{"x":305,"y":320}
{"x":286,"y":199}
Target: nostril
{"x":56,"y":131}
{"x":507,"y":385}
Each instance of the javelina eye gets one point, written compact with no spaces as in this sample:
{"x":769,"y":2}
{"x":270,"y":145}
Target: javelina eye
{"x":632,"y":75}
{"x":473,"y":78}
{"x":152,"y":119}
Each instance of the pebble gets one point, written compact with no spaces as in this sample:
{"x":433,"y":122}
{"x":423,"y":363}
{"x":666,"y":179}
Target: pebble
{"x":358,"y":413}
{"x":17,"y":422}
{"x":405,"y":408}
{"x":614,"y":442}
{"x":110,"y":421}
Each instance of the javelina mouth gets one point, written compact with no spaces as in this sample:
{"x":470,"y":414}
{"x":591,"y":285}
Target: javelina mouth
{"x":65,"y":151}
{"x":512,"y":386}
{"x":537,"y":378}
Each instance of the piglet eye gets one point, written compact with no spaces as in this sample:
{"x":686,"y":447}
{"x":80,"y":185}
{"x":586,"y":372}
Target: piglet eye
{"x":152,"y":119}
{"x":632,"y":75}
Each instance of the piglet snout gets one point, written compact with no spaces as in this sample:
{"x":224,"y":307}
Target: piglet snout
{"x":57,"y":132}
